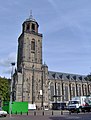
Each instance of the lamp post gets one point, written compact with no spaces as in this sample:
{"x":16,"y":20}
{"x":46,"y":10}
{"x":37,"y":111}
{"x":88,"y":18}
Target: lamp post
{"x":13,"y":64}
{"x":33,"y":85}
{"x":41,"y":91}
{"x":22,"y":80}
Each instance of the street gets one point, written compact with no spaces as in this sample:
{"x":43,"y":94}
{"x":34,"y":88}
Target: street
{"x":73,"y":116}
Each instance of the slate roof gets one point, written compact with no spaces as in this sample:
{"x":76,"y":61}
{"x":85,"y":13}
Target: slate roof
{"x":65,"y":76}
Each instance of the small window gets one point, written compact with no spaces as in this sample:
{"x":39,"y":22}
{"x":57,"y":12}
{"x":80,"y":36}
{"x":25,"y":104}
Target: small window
{"x":33,"y":27}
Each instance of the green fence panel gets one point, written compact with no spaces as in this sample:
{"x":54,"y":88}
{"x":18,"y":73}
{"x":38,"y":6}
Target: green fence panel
{"x":17,"y":107}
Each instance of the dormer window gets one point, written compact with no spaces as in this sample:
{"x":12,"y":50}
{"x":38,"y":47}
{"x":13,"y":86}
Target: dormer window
{"x":33,"y":27}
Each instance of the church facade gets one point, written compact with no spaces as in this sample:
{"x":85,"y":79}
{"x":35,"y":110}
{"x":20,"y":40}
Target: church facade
{"x":33,"y":82}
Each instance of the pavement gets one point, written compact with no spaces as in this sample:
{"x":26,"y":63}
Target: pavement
{"x":66,"y":116}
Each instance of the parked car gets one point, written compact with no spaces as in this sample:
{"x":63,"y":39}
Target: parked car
{"x":59,"y":106}
{"x":3,"y":113}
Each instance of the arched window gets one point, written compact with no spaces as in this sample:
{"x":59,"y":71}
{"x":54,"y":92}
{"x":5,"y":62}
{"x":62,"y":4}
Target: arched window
{"x":59,"y":92}
{"x":33,"y":45}
{"x":66,"y":92}
{"x":28,"y":27}
{"x":73,"y":89}
{"x":79,"y":90}
{"x":52,"y":92}
{"x":33,"y":27}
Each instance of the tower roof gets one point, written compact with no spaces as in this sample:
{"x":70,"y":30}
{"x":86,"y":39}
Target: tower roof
{"x":30,"y":18}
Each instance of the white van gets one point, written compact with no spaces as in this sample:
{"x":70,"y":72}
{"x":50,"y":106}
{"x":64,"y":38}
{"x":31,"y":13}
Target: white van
{"x":81,"y":103}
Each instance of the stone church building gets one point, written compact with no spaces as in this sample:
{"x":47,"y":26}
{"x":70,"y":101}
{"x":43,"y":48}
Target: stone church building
{"x":33,"y":82}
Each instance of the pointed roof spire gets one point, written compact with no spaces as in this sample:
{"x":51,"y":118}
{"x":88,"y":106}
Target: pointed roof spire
{"x":30,"y":16}
{"x":45,"y":64}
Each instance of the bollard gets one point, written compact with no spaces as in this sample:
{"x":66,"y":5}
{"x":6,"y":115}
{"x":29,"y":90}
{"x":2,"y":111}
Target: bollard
{"x":21,"y":112}
{"x":61,"y":112}
{"x":43,"y":113}
{"x":34,"y":113}
{"x":52,"y":112}
{"x":69,"y":112}
{"x":77,"y":111}
{"x":16,"y":112}
{"x":27,"y":113}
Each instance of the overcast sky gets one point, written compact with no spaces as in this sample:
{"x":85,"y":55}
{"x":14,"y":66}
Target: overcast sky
{"x":66,"y":29}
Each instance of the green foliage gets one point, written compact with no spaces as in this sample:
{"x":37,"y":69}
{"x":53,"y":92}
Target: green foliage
{"x":4,"y":89}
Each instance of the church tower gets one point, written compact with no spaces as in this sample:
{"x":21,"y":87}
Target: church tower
{"x":32,"y":75}
{"x":30,"y":43}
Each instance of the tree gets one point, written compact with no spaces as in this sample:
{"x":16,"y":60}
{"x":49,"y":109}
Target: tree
{"x":4,"y":89}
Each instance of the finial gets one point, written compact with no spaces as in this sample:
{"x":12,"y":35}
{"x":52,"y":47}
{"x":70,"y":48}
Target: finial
{"x":45,"y":63}
{"x":30,"y":14}
{"x":30,"y":18}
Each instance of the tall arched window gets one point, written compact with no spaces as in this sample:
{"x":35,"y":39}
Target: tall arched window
{"x":52,"y":92}
{"x":73,"y":89}
{"x":79,"y":90}
{"x":28,"y":27}
{"x":33,"y":27}
{"x":33,"y":45}
{"x":59,"y":92}
{"x":85,"y":90}
{"x":66,"y":92}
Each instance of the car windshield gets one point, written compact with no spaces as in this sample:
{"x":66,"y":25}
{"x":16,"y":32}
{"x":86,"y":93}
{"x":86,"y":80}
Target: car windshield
{"x":74,"y":102}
